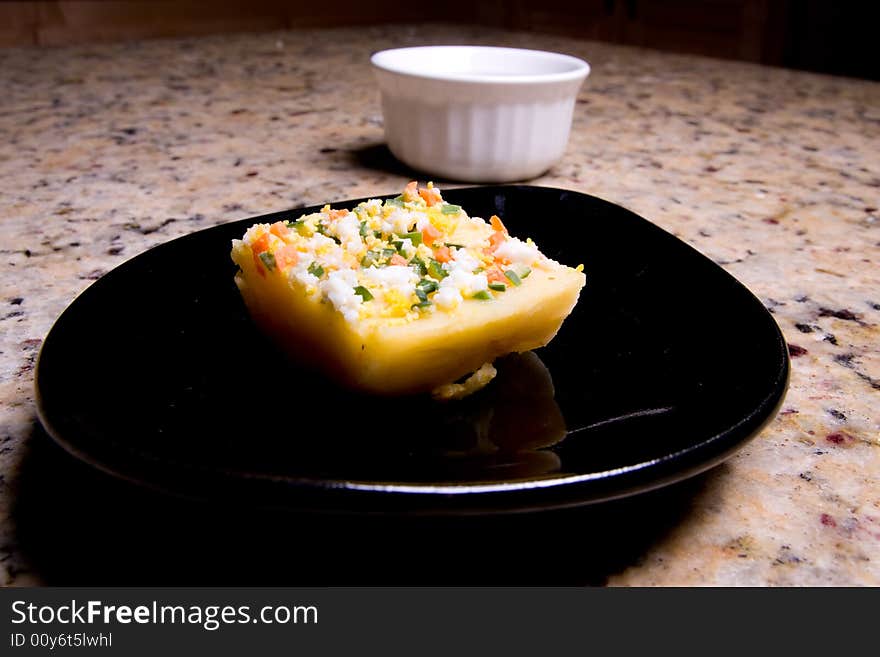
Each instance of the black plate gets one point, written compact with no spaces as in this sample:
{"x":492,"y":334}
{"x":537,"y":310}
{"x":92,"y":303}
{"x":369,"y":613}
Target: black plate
{"x":665,"y":367}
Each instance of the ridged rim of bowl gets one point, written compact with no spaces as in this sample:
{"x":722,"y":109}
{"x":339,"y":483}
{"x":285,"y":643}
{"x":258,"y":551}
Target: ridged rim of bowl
{"x":388,"y":60}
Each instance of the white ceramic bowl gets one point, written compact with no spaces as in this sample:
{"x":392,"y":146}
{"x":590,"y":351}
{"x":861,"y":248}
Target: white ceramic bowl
{"x":478,"y":113}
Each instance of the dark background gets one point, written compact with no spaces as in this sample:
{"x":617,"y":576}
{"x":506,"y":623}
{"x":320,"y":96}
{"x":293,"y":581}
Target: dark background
{"x":816,"y":35}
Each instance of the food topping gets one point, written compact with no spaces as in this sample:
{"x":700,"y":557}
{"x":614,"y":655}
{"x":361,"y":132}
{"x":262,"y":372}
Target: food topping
{"x":402,"y":258}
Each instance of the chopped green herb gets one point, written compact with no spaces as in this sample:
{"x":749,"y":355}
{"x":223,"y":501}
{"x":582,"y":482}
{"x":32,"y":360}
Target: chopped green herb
{"x":321,"y":228}
{"x":427,"y":285}
{"x":268,"y":260}
{"x":294,"y":224}
{"x":454,"y":246}
{"x":498,"y":287}
{"x":370,"y":258}
{"x":512,"y":277}
{"x":435,"y":269}
{"x":387,"y":253}
{"x":421,"y":305}
{"x":316,"y":270}
{"x":482,"y":295}
{"x":377,"y":234}
{"x":414,"y":237}
{"x":364,"y":229}
{"x":449,"y":208}
{"x":363,"y":293}
{"x":397,"y":201}
{"x":421,"y":294}
{"x":419,"y":265}
{"x":525,"y":273}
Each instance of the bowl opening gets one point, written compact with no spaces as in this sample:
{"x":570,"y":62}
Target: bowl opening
{"x":481,"y":63}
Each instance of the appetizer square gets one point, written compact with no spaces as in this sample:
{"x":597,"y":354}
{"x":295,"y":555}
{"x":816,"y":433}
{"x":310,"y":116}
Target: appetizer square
{"x":402,"y":296}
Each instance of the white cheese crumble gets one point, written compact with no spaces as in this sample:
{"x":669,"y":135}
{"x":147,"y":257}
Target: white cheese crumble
{"x":399,"y":221}
{"x":517,"y":251}
{"x":339,"y":289}
{"x":348,"y":230}
{"x":300,"y":272}
{"x":462,"y":260}
{"x":466,"y":283}
{"x":448,"y":297}
{"x":397,"y":277}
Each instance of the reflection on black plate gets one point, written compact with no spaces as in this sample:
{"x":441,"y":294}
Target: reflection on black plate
{"x":666,"y":365}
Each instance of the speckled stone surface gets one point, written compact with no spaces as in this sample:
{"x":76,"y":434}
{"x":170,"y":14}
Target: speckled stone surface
{"x":108,"y":150}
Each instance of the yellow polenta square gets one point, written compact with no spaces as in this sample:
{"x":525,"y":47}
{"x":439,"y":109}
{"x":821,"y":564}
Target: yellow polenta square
{"x":402,"y":296}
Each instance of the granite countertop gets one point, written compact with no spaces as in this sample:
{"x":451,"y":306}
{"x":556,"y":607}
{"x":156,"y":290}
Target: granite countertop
{"x":774,"y":174}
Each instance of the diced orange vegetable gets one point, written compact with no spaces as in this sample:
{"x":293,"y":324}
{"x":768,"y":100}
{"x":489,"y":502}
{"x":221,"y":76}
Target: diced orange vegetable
{"x":398,"y":259}
{"x":336,"y":214}
{"x":495,"y":275}
{"x":431,"y":195}
{"x":496,"y":240}
{"x":258,"y":264}
{"x":442,"y":254}
{"x":286,"y":256}
{"x":279,"y":229}
{"x":411,"y":191}
{"x":260,"y":244}
{"x":496,"y":223}
{"x":430,"y":234}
